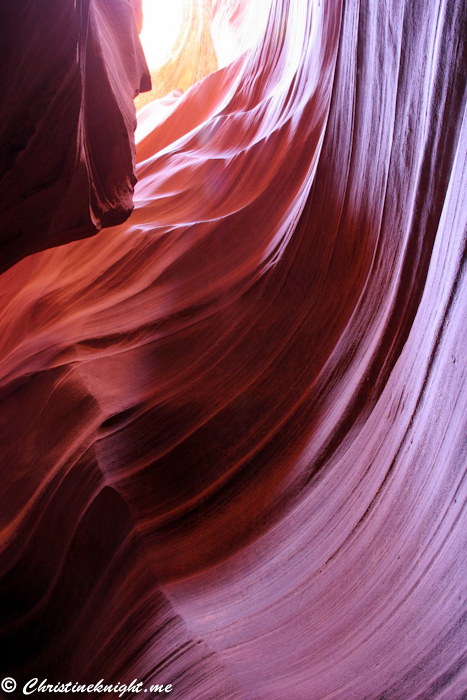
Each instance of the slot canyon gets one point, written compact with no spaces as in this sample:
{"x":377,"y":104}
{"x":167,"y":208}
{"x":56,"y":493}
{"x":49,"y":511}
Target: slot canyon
{"x":233,"y":344}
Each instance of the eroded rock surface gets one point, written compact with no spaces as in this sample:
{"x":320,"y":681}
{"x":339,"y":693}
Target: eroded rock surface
{"x":234,"y":426}
{"x":69,"y":73}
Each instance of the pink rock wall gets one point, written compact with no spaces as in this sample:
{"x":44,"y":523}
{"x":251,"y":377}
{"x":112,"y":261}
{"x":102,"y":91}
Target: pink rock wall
{"x":234,"y":427}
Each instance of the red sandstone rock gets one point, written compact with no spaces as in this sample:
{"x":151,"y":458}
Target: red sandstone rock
{"x":69,"y":73}
{"x":234,"y":426}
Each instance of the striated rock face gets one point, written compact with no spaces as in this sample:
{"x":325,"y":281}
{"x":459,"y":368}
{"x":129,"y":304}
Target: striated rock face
{"x":69,"y":73}
{"x":234,"y":426}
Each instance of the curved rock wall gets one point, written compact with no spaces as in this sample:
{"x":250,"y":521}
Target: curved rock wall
{"x":69,"y":73}
{"x":235,"y":425}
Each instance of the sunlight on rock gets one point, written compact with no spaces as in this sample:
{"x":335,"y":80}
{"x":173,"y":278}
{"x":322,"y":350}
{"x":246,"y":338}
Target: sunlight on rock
{"x":178,"y":46}
{"x":162,"y":23}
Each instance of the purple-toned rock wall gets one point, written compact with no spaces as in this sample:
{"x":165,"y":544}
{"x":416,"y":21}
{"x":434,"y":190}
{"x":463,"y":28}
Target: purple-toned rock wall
{"x":69,"y":73}
{"x":234,"y":426}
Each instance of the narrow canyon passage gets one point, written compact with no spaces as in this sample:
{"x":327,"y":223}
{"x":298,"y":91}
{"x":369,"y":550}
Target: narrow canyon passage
{"x":233,"y":348}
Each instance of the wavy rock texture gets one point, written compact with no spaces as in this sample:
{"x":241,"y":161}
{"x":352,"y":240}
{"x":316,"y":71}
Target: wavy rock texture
{"x":235,"y":426}
{"x":70,"y":71}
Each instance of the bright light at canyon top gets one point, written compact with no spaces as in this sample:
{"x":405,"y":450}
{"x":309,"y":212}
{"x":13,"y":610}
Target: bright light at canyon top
{"x":162,"y":22}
